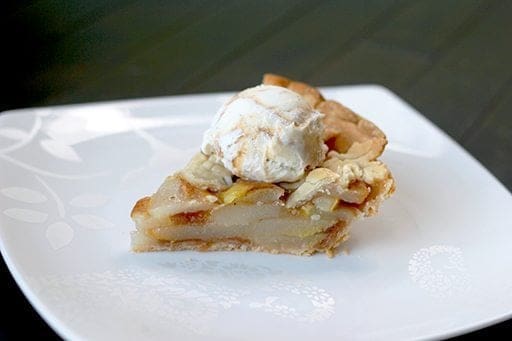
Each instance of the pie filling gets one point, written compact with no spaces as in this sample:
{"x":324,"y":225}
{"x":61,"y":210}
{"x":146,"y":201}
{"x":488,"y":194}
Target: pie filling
{"x":271,"y":228}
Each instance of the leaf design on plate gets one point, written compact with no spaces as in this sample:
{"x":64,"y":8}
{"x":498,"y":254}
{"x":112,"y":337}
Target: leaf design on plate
{"x":87,"y":200}
{"x":23,"y":194}
{"x":59,"y":234}
{"x":13,"y":133}
{"x":90,"y":221}
{"x":26,"y":215}
{"x":60,"y":150}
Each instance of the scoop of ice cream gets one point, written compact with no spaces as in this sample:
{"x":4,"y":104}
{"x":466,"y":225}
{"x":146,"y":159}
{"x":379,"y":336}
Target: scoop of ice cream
{"x":266,"y":133}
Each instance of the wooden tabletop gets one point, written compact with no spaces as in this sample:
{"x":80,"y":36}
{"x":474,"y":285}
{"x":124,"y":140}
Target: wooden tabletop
{"x":451,"y":59}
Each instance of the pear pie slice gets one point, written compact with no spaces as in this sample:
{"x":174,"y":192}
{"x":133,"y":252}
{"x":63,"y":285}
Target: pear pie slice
{"x":265,"y":187}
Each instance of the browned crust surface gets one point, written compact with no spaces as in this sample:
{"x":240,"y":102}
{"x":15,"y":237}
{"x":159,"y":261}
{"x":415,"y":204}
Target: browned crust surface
{"x":141,"y":208}
{"x":343,"y":127}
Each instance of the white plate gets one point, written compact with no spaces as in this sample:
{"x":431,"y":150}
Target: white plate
{"x":435,"y":262}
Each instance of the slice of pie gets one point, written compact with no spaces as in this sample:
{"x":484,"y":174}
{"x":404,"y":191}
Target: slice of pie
{"x":264,"y":181}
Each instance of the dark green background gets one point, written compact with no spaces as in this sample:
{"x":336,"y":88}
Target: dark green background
{"x":450,"y":59}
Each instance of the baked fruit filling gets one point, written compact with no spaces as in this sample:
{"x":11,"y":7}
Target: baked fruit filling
{"x":220,"y":202}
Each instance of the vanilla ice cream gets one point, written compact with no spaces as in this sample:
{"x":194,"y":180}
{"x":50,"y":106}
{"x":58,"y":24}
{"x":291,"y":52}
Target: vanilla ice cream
{"x":266,"y":133}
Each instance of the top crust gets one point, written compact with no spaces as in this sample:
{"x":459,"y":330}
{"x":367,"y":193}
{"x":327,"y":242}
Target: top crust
{"x":345,"y":131}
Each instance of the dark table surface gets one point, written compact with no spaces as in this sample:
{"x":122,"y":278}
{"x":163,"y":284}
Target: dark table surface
{"x":450,"y":59}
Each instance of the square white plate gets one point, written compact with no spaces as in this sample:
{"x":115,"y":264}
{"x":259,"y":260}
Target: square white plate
{"x":435,"y":262}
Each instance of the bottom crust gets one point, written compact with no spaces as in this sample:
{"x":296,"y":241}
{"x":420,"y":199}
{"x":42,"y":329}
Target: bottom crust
{"x":335,"y":235}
